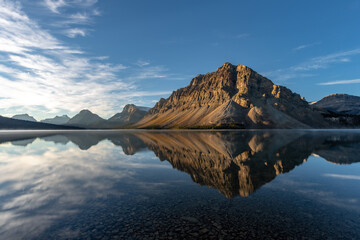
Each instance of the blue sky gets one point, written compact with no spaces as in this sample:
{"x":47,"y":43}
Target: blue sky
{"x":60,"y":56}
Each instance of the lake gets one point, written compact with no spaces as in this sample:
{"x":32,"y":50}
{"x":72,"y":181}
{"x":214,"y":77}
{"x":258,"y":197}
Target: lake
{"x":180,"y":184}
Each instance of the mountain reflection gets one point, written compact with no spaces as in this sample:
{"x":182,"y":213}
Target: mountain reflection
{"x":234,"y":162}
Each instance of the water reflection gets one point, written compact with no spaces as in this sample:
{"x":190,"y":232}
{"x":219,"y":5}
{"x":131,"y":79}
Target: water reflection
{"x":234,"y":162}
{"x":47,"y":177}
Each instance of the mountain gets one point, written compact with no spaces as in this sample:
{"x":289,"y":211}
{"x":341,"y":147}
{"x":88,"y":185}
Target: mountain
{"x":10,"y":123}
{"x":25,"y":117}
{"x":86,"y":119}
{"x":232,"y":97}
{"x":340,"y":103}
{"x":59,"y":120}
{"x":142,"y":108}
{"x":130,"y":114}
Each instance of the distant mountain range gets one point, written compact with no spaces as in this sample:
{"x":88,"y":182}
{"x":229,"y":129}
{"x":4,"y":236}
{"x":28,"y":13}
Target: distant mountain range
{"x":10,"y":123}
{"x":231,"y":97}
{"x":59,"y":120}
{"x":84,"y":119}
{"x":340,"y":103}
{"x":129,"y":115}
{"x":25,"y":117}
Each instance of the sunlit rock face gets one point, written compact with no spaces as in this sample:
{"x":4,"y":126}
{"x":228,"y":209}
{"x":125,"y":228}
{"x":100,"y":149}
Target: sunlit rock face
{"x":234,"y":97}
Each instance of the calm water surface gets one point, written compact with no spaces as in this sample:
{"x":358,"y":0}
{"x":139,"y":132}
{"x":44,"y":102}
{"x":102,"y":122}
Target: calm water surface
{"x":180,"y":185}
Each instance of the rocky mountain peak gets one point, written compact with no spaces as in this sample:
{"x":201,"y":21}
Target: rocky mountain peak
{"x":85,"y":111}
{"x":129,"y":108}
{"x":25,"y":117}
{"x":130,"y":114}
{"x":226,"y":66}
{"x":341,"y":96}
{"x":230,"y":94}
{"x":238,"y":83}
{"x":85,"y":118}
{"x":59,"y":120}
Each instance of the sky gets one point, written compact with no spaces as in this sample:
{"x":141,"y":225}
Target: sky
{"x":61,"y":56}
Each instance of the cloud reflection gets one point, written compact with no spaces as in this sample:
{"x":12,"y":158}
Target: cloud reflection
{"x":45,"y":183}
{"x":342,"y":176}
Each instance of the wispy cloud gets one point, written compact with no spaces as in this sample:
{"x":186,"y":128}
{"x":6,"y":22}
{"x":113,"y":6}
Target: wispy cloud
{"x":147,"y":71}
{"x":142,"y":63}
{"x":341,"y":82}
{"x":150,"y":72}
{"x":73,"y":32}
{"x":70,"y":16}
{"x":342,"y":176}
{"x":78,"y":18}
{"x":306,"y":46}
{"x":283,"y":75}
{"x":143,"y":94}
{"x":316,"y":63}
{"x":54,"y":5}
{"x":325,"y":61}
{"x":40,"y":73}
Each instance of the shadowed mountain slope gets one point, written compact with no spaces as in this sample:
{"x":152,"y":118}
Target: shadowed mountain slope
{"x":86,"y":119}
{"x":24,"y":117}
{"x":9,"y":123}
{"x":129,"y":115}
{"x":340,"y":103}
{"x":59,"y":120}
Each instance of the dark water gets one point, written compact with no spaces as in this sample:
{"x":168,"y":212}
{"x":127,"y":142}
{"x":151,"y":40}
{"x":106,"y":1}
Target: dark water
{"x":180,"y":185}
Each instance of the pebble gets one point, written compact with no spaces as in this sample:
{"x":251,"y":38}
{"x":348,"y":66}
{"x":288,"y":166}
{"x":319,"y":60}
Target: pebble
{"x":239,"y":218}
{"x":190,"y":219}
